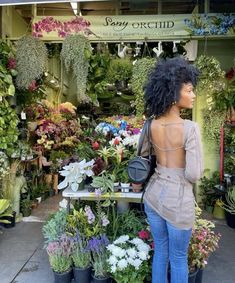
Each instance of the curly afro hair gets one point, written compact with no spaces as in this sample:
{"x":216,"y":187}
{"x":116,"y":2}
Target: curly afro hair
{"x":164,"y":84}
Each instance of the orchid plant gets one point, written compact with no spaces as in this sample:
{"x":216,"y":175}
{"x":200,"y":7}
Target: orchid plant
{"x":75,"y":173}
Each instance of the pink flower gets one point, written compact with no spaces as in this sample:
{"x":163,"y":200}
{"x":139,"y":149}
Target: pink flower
{"x":33,"y":86}
{"x":11,"y":64}
{"x":144,"y":235}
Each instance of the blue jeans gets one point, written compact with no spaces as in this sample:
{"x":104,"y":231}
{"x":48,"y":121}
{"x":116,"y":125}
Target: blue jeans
{"x":170,"y":244}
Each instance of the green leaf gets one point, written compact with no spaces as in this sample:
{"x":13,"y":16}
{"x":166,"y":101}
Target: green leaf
{"x":11,"y":90}
{"x":106,"y":203}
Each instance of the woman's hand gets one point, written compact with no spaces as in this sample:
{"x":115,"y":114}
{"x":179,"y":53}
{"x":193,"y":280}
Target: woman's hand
{"x":136,"y":187}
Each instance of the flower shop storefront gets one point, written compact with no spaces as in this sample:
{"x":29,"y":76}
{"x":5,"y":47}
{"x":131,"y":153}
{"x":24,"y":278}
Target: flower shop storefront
{"x":71,"y":114}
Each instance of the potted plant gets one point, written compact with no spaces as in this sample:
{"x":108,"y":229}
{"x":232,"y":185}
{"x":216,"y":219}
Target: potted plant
{"x":128,"y":259}
{"x":119,"y":72}
{"x":6,"y":215}
{"x":59,"y":253}
{"x":97,"y":246}
{"x":75,"y":54}
{"x":124,"y":179}
{"x":81,"y":257}
{"x":31,"y":58}
{"x":75,"y":174}
{"x":54,"y":228}
{"x":104,"y":182}
{"x":229,"y":207}
{"x":26,"y":207}
{"x":204,"y":241}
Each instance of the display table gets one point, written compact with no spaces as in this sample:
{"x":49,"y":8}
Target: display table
{"x":86,"y":195}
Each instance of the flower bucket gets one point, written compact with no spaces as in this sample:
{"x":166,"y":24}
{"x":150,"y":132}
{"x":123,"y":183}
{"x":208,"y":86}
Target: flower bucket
{"x":82,"y":275}
{"x":218,"y":212}
{"x":192,"y":276}
{"x":65,"y":277}
{"x":199,"y":275}
{"x":230,"y":219}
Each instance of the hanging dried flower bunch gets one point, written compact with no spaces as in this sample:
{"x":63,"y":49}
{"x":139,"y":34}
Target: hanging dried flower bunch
{"x":31,"y":61}
{"x":75,"y":54}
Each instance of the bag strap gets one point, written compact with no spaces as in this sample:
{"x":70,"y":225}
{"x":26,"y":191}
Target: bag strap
{"x":145,"y":133}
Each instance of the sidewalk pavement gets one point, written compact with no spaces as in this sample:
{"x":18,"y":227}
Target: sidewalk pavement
{"x":23,"y":259}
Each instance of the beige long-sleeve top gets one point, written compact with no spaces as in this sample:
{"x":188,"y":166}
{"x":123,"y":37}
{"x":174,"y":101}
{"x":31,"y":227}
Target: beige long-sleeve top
{"x":170,"y":190}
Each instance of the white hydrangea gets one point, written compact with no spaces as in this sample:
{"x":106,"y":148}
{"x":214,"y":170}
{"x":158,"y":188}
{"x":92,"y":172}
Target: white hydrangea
{"x":122,"y":264}
{"x":137,"y":241}
{"x":112,"y":260}
{"x":121,"y":240}
{"x":132,"y":252}
{"x":143,"y":255}
{"x":137,"y":263}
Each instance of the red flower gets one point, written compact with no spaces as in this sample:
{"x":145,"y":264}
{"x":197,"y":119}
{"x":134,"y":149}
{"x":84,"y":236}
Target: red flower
{"x":144,"y":235}
{"x":230,"y":74}
{"x":95,"y":145}
{"x":33,"y":86}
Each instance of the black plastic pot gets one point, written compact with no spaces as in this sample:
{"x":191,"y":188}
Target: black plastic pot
{"x":11,"y":219}
{"x":82,"y":275}
{"x":192,"y":276}
{"x":230,"y":219}
{"x":65,"y":277}
{"x":199,"y":276}
{"x":100,"y":280}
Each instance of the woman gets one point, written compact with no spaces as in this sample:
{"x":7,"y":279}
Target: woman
{"x":169,"y":199}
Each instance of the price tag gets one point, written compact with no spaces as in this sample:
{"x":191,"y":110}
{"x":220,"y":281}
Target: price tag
{"x":23,"y":115}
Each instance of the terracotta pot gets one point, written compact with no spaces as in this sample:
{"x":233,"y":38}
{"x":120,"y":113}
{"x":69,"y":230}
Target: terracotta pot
{"x":48,"y":179}
{"x":55,"y":183}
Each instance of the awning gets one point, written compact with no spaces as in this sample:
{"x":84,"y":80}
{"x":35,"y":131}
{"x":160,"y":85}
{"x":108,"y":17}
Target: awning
{"x":24,"y":2}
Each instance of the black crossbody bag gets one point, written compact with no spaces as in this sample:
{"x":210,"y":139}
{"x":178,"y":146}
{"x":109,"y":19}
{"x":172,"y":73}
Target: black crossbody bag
{"x":141,"y":168}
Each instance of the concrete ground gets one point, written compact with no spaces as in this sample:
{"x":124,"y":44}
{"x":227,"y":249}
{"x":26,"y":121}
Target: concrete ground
{"x":23,"y":259}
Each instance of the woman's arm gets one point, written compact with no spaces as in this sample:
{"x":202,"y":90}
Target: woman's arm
{"x":194,"y":156}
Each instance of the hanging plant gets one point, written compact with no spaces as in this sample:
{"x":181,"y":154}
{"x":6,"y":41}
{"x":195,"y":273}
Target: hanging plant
{"x":141,"y":71}
{"x":31,"y":61}
{"x":75,"y":53}
{"x":96,"y":82}
{"x":119,"y":70}
{"x":213,"y":121}
{"x":8,"y":128}
{"x":211,"y":75}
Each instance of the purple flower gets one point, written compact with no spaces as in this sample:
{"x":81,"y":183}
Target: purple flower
{"x":98,"y":244}
{"x":104,"y":220}
{"x":90,"y":215}
{"x":98,"y":192}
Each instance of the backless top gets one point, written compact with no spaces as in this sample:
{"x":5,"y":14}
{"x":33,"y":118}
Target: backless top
{"x":170,"y":189}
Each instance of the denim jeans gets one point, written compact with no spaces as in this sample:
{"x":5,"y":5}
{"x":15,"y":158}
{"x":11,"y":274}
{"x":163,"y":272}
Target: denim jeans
{"x":170,"y":245}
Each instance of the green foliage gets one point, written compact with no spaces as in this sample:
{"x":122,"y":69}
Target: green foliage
{"x":225,"y":98}
{"x":31,"y":57}
{"x":124,"y":178}
{"x":229,"y":206}
{"x":6,"y":83}
{"x":229,"y":164}
{"x":207,"y":191}
{"x":26,"y":97}
{"x":104,"y":182}
{"x":60,"y":263}
{"x":140,"y":74}
{"x":119,"y":70}
{"x":75,"y":53}
{"x":97,"y":84}
{"x":55,"y":227}
{"x":56,"y":157}
{"x":213,"y":120}
{"x":211,"y":74}
{"x":4,"y":210}
{"x":81,"y":257}
{"x":8,"y":128}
